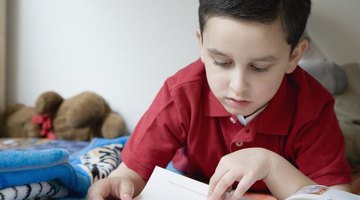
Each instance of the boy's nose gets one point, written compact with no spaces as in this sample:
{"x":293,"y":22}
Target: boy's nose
{"x":239,"y":82}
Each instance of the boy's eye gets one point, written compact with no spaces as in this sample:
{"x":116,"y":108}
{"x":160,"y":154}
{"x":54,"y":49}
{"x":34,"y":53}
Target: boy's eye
{"x":258,"y":69}
{"x":221,"y":64}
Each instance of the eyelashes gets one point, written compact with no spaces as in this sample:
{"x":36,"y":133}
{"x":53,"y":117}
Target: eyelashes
{"x":251,"y":66}
{"x":258,"y":69}
{"x":221,"y":64}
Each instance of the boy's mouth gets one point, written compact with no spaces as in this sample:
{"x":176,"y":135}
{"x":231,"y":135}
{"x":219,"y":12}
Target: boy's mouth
{"x":238,"y":104}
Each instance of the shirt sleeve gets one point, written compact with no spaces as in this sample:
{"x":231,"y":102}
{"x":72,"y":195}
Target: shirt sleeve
{"x":320,"y":149}
{"x":156,"y":137}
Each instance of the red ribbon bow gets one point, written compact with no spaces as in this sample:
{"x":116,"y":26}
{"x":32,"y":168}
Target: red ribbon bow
{"x":45,"y":122}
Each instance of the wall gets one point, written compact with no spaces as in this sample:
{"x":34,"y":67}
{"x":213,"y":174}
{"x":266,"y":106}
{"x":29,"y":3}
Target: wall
{"x":2,"y":53}
{"x":121,"y":49}
{"x":124,"y":49}
{"x":334,"y":25}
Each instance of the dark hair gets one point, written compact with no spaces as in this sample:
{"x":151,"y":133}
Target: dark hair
{"x":292,"y":13}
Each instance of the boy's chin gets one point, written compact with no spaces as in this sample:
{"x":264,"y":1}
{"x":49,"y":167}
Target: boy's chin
{"x":236,"y":112}
{"x":245,"y":111}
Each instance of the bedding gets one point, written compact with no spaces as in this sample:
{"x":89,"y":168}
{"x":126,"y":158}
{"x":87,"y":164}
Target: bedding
{"x":33,"y":168}
{"x":347,"y":108}
{"x":7,"y":144}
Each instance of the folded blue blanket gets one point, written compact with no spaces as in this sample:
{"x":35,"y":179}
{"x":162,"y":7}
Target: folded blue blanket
{"x":70,"y":175}
{"x":23,"y":167}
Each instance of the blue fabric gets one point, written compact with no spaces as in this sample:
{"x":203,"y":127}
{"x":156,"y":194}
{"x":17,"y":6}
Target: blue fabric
{"x":25,"y":167}
{"x":26,"y":160}
{"x":171,"y":167}
{"x":28,"y":144}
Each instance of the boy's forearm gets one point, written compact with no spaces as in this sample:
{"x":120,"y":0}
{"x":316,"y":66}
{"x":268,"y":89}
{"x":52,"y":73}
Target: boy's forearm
{"x":124,"y":171}
{"x":284,"y":179}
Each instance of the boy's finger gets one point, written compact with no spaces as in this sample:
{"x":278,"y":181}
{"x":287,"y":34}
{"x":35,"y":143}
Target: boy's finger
{"x":219,"y":173}
{"x":94,"y":196}
{"x":126,"y":190}
{"x":125,"y":196}
{"x":244,"y":184}
{"x":99,"y":191}
{"x":223,"y":184}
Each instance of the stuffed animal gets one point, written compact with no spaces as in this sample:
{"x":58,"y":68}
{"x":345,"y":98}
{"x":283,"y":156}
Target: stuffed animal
{"x":80,"y":117}
{"x":17,"y":122}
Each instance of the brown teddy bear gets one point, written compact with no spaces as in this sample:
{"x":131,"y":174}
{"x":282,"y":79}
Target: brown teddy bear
{"x":17,"y":122}
{"x":80,"y":117}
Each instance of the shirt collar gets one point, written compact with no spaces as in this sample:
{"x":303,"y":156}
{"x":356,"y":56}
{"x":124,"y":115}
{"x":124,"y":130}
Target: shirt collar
{"x":245,"y":120}
{"x":212,"y":106}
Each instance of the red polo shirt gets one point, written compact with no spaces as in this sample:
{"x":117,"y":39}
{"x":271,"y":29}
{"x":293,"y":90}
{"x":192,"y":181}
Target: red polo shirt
{"x":299,"y":124}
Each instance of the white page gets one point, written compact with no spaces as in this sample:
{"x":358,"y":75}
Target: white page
{"x":164,"y":184}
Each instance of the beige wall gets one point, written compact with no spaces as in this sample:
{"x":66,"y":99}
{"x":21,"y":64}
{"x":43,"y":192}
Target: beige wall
{"x":334,"y":25}
{"x":2,"y":54}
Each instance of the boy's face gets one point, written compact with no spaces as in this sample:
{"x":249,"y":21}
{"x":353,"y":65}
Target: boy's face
{"x":245,"y":61}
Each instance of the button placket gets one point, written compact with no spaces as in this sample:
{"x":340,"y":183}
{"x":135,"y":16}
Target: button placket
{"x":243,"y":136}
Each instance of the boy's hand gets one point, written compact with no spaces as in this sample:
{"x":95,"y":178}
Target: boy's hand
{"x":112,"y":188}
{"x":123,"y":183}
{"x":245,"y":166}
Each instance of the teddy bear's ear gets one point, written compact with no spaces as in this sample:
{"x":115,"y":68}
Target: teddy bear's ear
{"x":48,"y":103}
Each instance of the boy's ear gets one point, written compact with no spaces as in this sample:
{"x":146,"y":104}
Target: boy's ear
{"x":200,"y":40}
{"x":297,"y":54}
{"x":198,"y":36}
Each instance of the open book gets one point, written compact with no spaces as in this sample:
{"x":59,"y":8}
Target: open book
{"x":164,"y":185}
{"x":320,"y":192}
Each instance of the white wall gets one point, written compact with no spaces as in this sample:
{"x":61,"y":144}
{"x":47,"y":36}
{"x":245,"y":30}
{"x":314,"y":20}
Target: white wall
{"x":121,"y":49}
{"x":335,"y":26}
{"x":124,"y":49}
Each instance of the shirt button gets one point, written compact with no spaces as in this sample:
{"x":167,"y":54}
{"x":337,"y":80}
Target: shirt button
{"x":239,"y":144}
{"x":233,"y":120}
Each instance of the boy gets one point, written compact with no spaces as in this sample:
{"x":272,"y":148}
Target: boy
{"x":243,"y":115}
